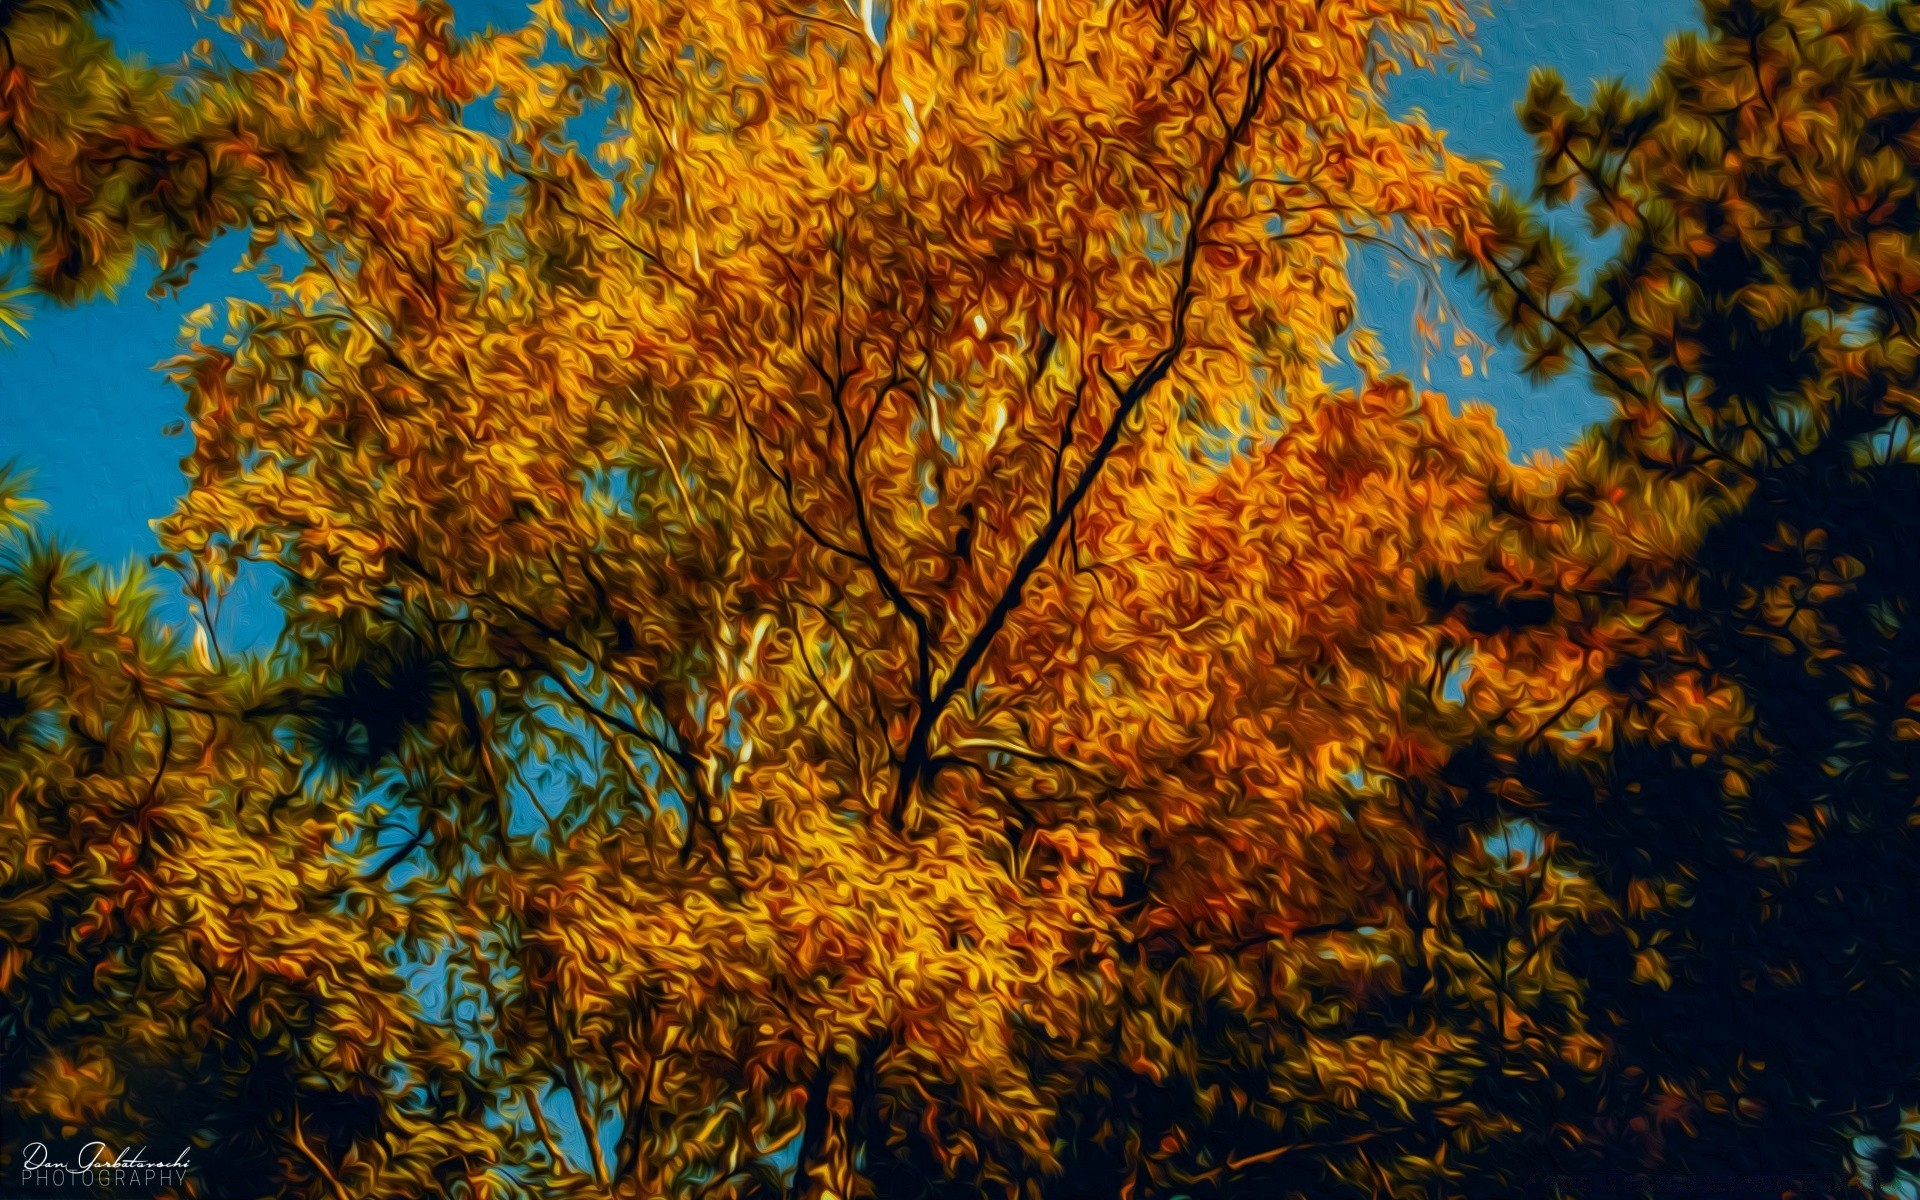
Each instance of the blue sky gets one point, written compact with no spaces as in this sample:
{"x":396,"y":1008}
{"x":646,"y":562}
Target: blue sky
{"x":83,"y":406}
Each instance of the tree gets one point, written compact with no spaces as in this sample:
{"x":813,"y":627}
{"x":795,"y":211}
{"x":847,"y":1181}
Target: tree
{"x":837,"y":621}
{"x":101,"y":158}
{"x":1728,"y":745}
{"x":185,"y":962}
{"x":773,"y":468}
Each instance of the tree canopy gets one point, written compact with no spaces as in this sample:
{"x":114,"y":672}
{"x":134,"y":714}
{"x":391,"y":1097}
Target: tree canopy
{"x":863,"y":619}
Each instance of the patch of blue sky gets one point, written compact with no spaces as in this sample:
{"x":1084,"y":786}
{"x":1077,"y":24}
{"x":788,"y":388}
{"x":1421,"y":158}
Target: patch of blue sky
{"x":1896,"y":441}
{"x":785,"y":1160}
{"x":483,"y":116}
{"x":610,"y":490}
{"x":583,"y":743}
{"x":1576,"y":732}
{"x":480,"y":16}
{"x":557,"y":1106}
{"x":1860,"y":326}
{"x":65,"y":384}
{"x":541,"y":798}
{"x":427,"y":983}
{"x":1534,"y":415}
{"x":440,"y":981}
{"x":1794,"y":420}
{"x":1515,"y":844}
{"x":873,"y":16}
{"x":397,"y":830}
{"x":1473,"y":101}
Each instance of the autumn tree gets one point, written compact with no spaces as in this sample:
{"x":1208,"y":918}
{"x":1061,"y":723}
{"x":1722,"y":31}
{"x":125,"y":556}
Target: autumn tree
{"x":753,"y":480}
{"x":840,"y":641}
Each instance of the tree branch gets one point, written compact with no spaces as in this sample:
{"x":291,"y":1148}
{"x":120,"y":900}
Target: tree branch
{"x":1127,"y":399}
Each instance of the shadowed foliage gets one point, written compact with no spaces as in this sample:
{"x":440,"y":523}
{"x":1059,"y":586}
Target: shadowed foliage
{"x":1734,"y":760}
{"x":842,"y":640}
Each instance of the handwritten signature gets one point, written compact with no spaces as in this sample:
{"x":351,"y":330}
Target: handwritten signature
{"x":95,"y":1156}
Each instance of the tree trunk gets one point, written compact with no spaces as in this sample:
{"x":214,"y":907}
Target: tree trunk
{"x":842,"y":1101}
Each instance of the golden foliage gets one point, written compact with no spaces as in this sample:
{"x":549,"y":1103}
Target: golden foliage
{"x":806,"y":426}
{"x":842,"y":638}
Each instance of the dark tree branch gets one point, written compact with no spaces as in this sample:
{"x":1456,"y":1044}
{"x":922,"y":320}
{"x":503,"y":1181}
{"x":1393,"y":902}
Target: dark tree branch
{"x":1127,"y":399}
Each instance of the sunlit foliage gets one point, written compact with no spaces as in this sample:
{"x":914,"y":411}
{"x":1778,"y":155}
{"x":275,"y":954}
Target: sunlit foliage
{"x":739,"y":468}
{"x":841,"y":639}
